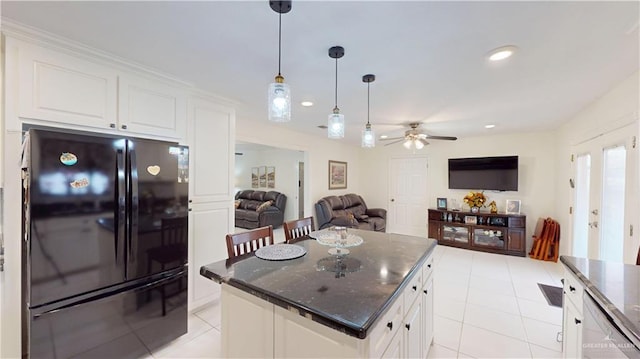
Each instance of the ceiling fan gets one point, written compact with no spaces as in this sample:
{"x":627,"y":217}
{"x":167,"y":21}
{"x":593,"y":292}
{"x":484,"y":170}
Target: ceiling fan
{"x":416,"y":137}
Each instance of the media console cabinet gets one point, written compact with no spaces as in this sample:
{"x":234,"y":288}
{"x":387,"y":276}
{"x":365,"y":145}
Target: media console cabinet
{"x":488,"y":232}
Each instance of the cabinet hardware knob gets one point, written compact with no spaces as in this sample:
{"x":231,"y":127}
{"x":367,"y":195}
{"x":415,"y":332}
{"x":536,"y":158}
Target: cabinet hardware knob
{"x":578,"y":321}
{"x":124,"y":127}
{"x":408,"y":326}
{"x":571,"y":288}
{"x":415,"y":287}
{"x":426,"y":291}
{"x":428,"y":265}
{"x":190,"y":209}
{"x":190,"y":201}
{"x":390,"y":325}
{"x":112,"y":125}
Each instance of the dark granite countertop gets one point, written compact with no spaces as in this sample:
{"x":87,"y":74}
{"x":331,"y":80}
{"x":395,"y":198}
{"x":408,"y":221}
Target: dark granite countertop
{"x":615,"y":286}
{"x":348,"y":296}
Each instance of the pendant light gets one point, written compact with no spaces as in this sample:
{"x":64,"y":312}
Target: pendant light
{"x":335,"y":127}
{"x":368,"y":136}
{"x":279,"y":93}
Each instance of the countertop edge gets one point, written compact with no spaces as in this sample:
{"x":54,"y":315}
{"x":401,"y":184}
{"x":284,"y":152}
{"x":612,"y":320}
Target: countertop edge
{"x":620,"y":319}
{"x":354,"y":331}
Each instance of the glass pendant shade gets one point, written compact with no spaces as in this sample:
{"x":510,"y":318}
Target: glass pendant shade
{"x":419,"y":145}
{"x":335,"y":126}
{"x":368,"y":137}
{"x":279,"y":101}
{"x":407,"y":144}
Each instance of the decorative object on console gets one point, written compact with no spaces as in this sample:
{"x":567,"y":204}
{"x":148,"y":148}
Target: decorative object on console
{"x":279,"y":92}
{"x":513,"y":206}
{"x":337,"y":175}
{"x":368,"y":136}
{"x":335,"y":127}
{"x":442,"y":203}
{"x":493,"y":207}
{"x":475,"y":200}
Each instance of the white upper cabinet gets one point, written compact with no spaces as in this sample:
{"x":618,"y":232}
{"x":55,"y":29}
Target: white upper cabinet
{"x":211,"y":140}
{"x":57,"y":87}
{"x":151,"y":107}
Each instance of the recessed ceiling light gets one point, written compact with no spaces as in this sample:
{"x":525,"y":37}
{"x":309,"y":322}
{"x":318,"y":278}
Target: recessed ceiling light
{"x":384,"y":136}
{"x":501,"y":53}
{"x":306,"y":103}
{"x":489,"y":126}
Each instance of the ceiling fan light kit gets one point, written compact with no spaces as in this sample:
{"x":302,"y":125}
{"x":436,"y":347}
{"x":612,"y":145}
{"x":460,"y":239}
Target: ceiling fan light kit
{"x":368,"y":135}
{"x":279,"y":93}
{"x":414,"y":138}
{"x":335,"y":126}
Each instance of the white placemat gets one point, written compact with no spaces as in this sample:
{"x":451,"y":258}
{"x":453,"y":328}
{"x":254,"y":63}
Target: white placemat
{"x":280,"y":252}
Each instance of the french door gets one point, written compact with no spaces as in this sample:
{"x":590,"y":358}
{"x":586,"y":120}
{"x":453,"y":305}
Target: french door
{"x":605,"y":201}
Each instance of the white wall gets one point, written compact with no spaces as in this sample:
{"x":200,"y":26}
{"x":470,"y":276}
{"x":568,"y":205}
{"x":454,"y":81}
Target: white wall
{"x":536,"y":153}
{"x":618,"y":106}
{"x":286,"y":165}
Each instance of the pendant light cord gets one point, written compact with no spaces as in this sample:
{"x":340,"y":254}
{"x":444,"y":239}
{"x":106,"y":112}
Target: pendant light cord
{"x":279,"y":41}
{"x":368,"y":86}
{"x":336,"y":82}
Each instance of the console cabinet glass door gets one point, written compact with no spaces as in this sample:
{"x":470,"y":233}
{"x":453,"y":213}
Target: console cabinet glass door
{"x":488,"y":238}
{"x":459,"y":234}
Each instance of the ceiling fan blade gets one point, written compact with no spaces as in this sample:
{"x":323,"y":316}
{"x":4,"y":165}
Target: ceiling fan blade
{"x":396,"y":141}
{"x":448,"y":138}
{"x":392,"y":138}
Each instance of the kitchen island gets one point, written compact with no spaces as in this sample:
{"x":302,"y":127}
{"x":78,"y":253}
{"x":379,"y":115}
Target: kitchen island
{"x":377,"y":301}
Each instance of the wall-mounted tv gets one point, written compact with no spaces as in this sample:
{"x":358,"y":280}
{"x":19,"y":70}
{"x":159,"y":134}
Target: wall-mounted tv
{"x":484,"y":173}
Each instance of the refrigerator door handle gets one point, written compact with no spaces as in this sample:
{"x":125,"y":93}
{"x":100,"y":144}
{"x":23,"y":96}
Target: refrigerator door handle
{"x":121,"y":200}
{"x":133,"y":214}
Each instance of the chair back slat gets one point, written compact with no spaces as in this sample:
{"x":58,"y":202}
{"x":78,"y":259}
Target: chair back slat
{"x":298,"y":228}
{"x":249,"y":241}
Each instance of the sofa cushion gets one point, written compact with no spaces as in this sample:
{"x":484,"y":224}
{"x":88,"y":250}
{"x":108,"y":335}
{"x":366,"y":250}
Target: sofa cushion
{"x":257,"y":196}
{"x":250,"y":204}
{"x":248,"y":215}
{"x":264,"y":206}
{"x":335,"y":203}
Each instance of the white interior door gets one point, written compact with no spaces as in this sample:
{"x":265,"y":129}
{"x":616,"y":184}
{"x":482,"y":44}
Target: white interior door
{"x":408,"y":196}
{"x":605,"y":207}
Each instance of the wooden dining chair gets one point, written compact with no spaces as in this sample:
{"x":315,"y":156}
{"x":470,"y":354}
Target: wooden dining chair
{"x":249,"y":241}
{"x":638,"y":259}
{"x":298,"y":228}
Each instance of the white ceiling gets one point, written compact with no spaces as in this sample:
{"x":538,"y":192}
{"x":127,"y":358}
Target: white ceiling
{"x":428,"y":57}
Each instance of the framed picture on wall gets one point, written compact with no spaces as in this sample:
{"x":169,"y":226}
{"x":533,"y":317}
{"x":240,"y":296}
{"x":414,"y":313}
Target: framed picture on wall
{"x":263,"y":176}
{"x":271,"y":177}
{"x":442,"y":203}
{"x":337,"y":175}
{"x":513,"y":206}
{"x":254,"y":177}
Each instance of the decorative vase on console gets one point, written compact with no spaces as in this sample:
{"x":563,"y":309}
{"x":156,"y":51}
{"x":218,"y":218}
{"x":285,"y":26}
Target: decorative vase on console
{"x":475,"y":200}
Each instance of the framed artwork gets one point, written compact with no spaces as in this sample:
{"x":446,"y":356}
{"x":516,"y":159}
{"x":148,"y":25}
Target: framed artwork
{"x":470,"y":219}
{"x":254,"y":177}
{"x":271,"y":177}
{"x":262,"y":176}
{"x":513,"y":206}
{"x":442,"y":203}
{"x":337,"y":175}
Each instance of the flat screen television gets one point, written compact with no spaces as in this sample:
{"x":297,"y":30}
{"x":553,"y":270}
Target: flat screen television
{"x":484,"y":173}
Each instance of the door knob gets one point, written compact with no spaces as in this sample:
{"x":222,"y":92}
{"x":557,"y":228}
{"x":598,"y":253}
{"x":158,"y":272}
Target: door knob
{"x":393,"y":200}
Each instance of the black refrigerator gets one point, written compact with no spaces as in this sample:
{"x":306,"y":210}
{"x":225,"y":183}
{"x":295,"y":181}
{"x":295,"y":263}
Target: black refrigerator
{"x":105,"y":244}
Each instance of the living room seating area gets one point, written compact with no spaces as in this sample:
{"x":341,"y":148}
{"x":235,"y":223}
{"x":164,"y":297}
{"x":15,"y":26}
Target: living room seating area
{"x":259,"y":208}
{"x":349,"y":210}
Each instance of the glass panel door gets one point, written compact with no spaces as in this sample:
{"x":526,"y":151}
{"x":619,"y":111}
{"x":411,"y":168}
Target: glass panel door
{"x":605,"y":206}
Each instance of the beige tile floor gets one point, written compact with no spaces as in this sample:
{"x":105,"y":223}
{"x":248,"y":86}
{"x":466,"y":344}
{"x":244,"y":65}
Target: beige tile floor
{"x":486,"y":306}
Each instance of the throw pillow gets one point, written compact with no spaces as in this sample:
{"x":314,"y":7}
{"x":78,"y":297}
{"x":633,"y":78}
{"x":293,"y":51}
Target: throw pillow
{"x":237,"y":203}
{"x":264,"y":206}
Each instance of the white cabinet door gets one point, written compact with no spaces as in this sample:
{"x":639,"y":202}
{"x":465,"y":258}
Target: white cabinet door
{"x":572,"y":326}
{"x":395,"y":348}
{"x":58,"y":87}
{"x":151,"y":107}
{"x":413,"y":331}
{"x":211,"y":143}
{"x":209,"y":225}
{"x":427,"y":317}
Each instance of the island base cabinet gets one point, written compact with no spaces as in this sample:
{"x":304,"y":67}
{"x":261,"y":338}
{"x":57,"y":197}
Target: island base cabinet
{"x":247,"y":325}
{"x":572,"y":316}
